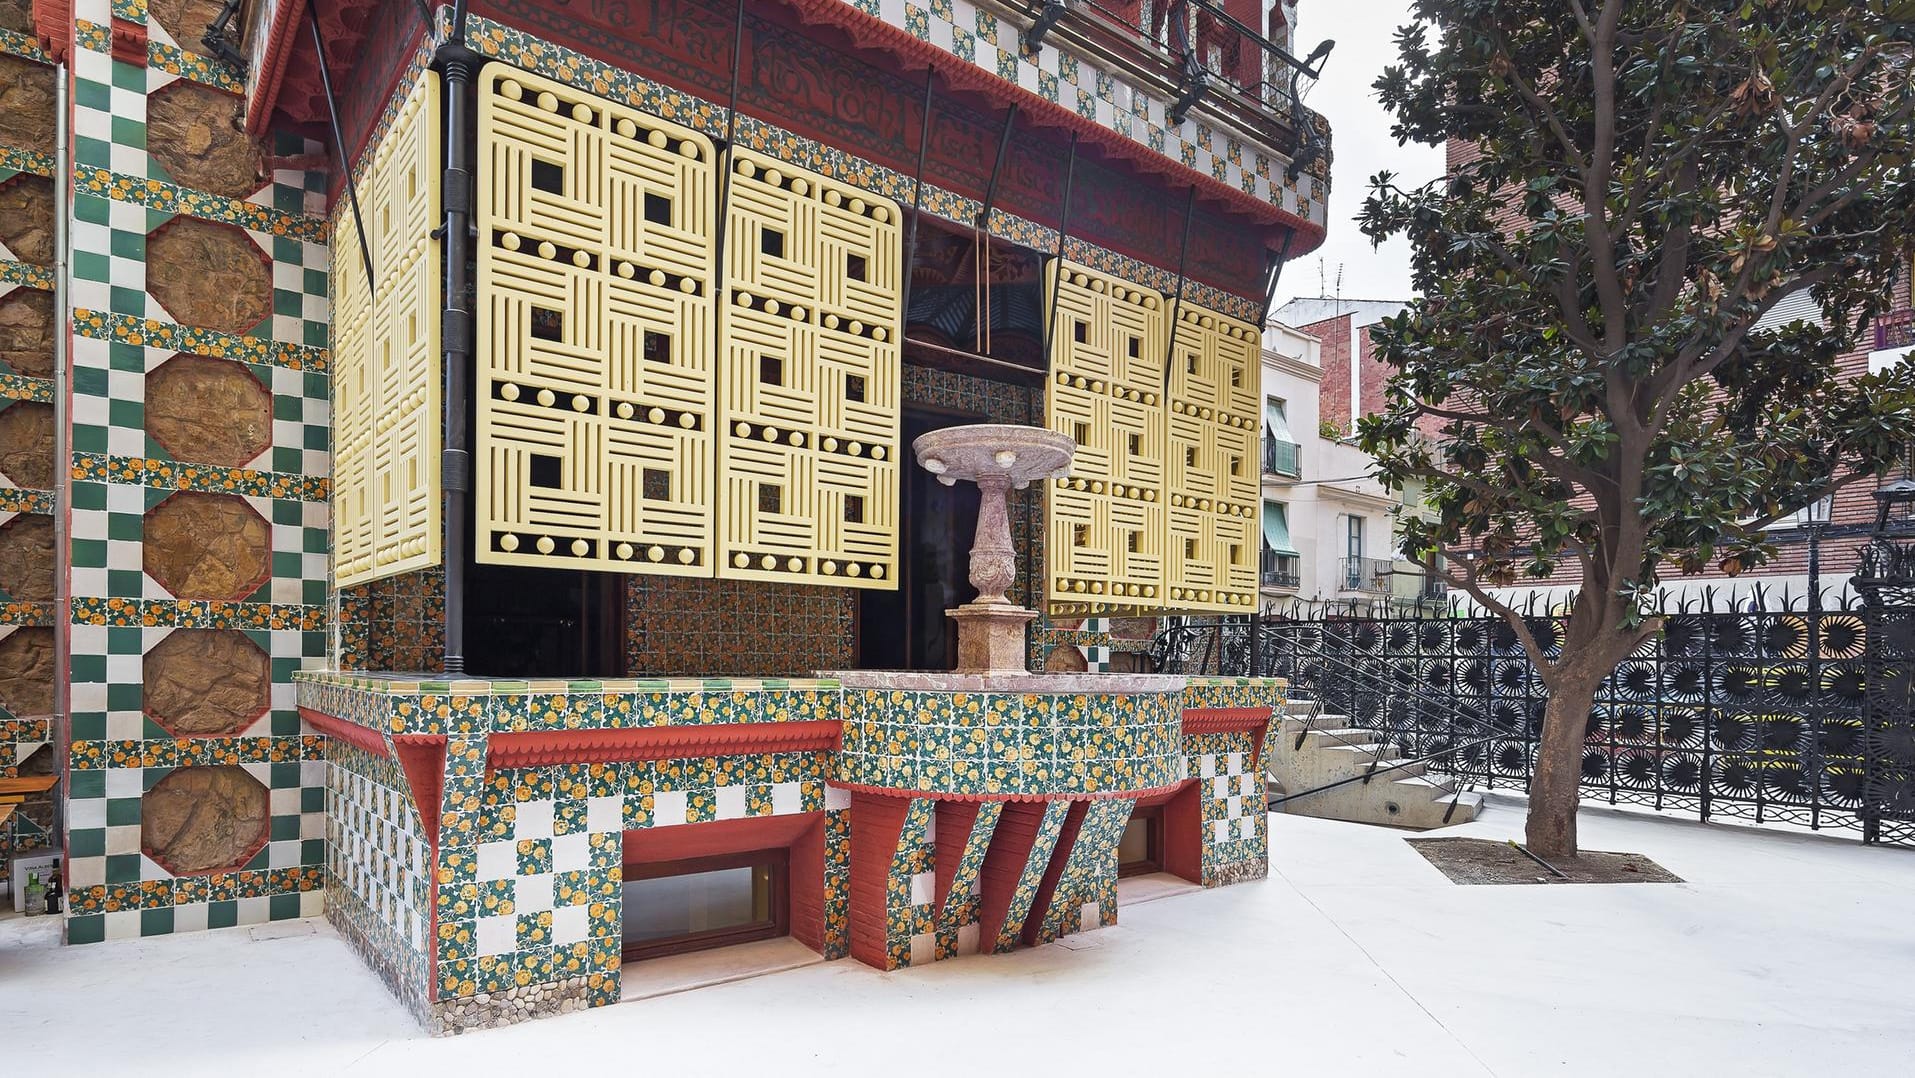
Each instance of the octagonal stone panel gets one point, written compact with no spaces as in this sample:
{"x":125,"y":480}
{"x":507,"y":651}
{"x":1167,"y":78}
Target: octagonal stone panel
{"x":210,"y":274}
{"x":206,"y":682}
{"x":208,"y":411}
{"x":204,"y":819}
{"x":186,"y":20}
{"x":26,"y":332}
{"x":26,"y":103}
{"x":26,"y":216}
{"x":195,"y":133}
{"x":26,"y":444}
{"x":207,"y":546}
{"x":26,"y":558}
{"x":26,"y":672}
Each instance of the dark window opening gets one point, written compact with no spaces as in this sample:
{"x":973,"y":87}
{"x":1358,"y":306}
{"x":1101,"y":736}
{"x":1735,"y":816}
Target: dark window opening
{"x":1236,"y":376}
{"x":1136,"y":347}
{"x":658,"y":209}
{"x":1136,"y":444}
{"x":548,"y":177}
{"x":1190,"y":363}
{"x":1190,"y":456}
{"x":672,"y":907}
{"x":854,"y":387}
{"x":1081,"y":433}
{"x":1141,"y":849}
{"x":546,"y":471}
{"x":854,"y":508}
{"x":1080,"y":331}
{"x":658,"y":347}
{"x":1080,"y":535}
{"x":1134,"y":542}
{"x":1190,"y":550}
{"x":855,"y":267}
{"x":771,"y":242}
{"x":548,"y":324}
{"x":771,"y":370}
{"x":658,"y":485}
{"x":771,"y":498}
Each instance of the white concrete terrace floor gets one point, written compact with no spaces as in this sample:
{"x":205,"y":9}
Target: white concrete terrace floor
{"x":1782,"y":955}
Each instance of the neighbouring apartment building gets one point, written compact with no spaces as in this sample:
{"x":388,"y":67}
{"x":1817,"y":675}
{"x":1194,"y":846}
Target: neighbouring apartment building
{"x":455,"y":478}
{"x":1330,"y":539}
{"x":1821,"y":542}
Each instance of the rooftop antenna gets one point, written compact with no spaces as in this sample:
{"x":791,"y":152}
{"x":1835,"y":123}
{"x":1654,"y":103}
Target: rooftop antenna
{"x":1339,"y":288}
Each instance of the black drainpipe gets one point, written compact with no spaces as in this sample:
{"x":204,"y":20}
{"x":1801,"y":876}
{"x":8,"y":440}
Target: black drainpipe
{"x":458,"y":65}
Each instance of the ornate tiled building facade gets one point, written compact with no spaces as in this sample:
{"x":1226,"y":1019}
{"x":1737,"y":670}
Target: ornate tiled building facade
{"x":197,"y":526}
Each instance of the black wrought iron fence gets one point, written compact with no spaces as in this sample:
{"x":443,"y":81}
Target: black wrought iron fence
{"x":1768,"y":706}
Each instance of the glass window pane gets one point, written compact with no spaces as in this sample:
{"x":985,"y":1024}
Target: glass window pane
{"x":1135,"y":845}
{"x":696,"y":902}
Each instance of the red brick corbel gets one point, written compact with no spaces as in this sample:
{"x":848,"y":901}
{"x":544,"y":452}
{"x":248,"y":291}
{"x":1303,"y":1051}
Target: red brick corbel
{"x":53,"y":26}
{"x":129,"y":41}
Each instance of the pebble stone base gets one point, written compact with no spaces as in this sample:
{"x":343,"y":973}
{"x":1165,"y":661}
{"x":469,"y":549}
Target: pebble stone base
{"x":495,"y":1009}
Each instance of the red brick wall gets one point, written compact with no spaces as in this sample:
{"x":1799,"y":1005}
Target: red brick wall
{"x":1333,"y":394}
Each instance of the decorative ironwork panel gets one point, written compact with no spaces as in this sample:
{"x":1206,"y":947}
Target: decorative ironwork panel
{"x":385,"y":352}
{"x":1212,"y":473}
{"x":809,"y":404}
{"x":1766,"y":707}
{"x":1106,"y":523}
{"x":596,"y":324}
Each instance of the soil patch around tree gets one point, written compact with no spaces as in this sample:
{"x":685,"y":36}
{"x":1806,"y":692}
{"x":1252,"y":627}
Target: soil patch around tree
{"x":1480,"y":860}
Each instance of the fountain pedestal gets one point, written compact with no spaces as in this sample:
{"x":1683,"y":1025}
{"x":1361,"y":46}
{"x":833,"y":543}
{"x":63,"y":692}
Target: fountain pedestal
{"x":999,"y":458}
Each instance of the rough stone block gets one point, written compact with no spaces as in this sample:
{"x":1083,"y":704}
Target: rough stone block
{"x":26,"y":103}
{"x":208,"y":274}
{"x":26,"y":210}
{"x":26,"y":332}
{"x":204,"y":819}
{"x":26,"y":672}
{"x":207,"y":546}
{"x":26,"y":444}
{"x":208,"y":411}
{"x":206,"y":682}
{"x":26,"y":558}
{"x":196,"y":133}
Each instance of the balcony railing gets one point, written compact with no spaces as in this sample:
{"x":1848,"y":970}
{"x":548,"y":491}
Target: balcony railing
{"x":1281,"y":570}
{"x":1279,"y":457}
{"x":1366,"y":574}
{"x":1895,"y":330}
{"x":1207,"y":56}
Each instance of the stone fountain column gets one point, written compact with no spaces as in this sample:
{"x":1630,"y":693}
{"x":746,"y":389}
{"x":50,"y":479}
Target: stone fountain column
{"x":999,"y":458}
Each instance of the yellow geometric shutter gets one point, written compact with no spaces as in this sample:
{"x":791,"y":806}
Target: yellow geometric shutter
{"x":1214,"y":472}
{"x":809,"y":381}
{"x":385,"y":354}
{"x":1106,"y":523}
{"x":595,"y":333}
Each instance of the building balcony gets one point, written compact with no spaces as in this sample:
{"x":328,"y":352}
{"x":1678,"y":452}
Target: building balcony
{"x":1280,"y":457}
{"x":1281,"y":570}
{"x":1895,"y":329}
{"x":1211,"y":60}
{"x":1371,"y":575}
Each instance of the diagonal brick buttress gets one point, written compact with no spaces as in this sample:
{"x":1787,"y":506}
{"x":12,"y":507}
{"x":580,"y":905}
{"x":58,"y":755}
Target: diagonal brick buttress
{"x":1014,"y":869}
{"x":877,"y":823}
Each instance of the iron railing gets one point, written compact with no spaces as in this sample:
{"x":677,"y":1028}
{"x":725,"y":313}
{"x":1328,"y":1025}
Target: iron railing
{"x":1895,"y":329}
{"x":1280,"y":457}
{"x":1281,"y":570}
{"x":1206,"y":54}
{"x":1366,"y":574}
{"x":1767,"y":706}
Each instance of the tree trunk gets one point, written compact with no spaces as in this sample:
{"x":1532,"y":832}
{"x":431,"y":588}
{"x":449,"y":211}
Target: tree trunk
{"x":1556,"y":785}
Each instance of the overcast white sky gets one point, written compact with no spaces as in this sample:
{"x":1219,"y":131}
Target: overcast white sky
{"x":1360,"y":135}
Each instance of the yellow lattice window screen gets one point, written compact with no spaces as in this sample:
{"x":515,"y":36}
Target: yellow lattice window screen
{"x":809,"y":379}
{"x":1106,"y":523}
{"x":385,"y":354}
{"x":1213,"y":473}
{"x":595,"y":333}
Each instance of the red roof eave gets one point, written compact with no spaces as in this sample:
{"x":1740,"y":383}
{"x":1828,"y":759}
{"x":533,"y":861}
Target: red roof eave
{"x":280,"y":39}
{"x":872,"y":32}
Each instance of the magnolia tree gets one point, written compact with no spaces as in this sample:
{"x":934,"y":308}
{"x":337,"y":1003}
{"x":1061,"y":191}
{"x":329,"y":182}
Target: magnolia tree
{"x":1588,"y":385}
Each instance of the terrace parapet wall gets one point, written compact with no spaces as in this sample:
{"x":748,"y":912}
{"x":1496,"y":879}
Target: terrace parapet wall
{"x":514,"y":805}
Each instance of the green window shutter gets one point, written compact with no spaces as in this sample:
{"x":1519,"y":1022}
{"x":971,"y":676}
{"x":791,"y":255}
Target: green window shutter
{"x":1276,"y":529}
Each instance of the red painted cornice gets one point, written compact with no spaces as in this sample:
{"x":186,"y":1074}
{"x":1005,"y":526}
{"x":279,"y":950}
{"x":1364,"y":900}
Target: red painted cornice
{"x":53,"y":25}
{"x":872,"y":32}
{"x":540,"y":747}
{"x":359,"y":737}
{"x":280,"y":38}
{"x":1225,"y":720}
